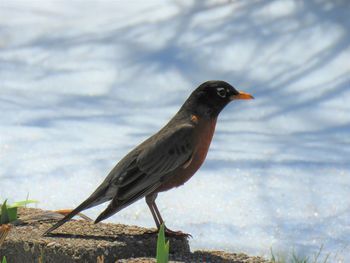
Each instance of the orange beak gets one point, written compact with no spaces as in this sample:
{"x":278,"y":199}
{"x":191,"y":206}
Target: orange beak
{"x":242,"y":96}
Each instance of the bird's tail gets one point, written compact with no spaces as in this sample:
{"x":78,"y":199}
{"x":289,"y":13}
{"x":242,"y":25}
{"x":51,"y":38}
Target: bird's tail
{"x":96,"y":198}
{"x":116,"y":205}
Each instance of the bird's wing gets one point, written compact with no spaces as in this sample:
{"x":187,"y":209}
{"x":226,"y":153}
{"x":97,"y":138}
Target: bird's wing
{"x":161,"y":155}
{"x":164,"y":154}
{"x":167,"y":152}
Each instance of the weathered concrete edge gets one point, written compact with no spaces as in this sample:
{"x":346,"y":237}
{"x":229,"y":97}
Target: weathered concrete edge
{"x":81,"y":241}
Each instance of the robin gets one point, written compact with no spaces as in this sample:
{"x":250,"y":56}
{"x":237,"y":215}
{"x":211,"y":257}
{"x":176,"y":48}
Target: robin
{"x":165,"y":160}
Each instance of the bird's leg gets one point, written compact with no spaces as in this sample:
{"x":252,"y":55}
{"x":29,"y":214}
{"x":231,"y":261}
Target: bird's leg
{"x":151,"y":202}
{"x":161,"y":221}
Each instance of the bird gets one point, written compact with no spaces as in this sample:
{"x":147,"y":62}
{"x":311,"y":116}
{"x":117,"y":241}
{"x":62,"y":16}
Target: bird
{"x":167,"y":159}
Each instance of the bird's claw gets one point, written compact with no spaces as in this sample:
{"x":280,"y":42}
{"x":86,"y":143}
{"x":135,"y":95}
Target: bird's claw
{"x":171,"y":233}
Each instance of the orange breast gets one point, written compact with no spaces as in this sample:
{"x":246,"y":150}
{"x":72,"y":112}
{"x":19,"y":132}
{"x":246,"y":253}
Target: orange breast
{"x":203,"y":135}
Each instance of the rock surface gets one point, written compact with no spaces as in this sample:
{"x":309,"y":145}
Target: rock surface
{"x":82,"y":241}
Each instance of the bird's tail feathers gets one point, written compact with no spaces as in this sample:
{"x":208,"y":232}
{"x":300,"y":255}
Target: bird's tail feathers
{"x":93,"y":200}
{"x":116,"y":204}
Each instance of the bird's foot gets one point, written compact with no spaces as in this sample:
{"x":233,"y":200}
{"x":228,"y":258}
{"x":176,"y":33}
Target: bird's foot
{"x":171,"y":233}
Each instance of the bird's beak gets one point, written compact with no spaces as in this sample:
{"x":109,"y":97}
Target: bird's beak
{"x":242,"y":96}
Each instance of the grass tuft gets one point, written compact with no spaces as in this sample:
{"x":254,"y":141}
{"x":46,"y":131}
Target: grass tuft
{"x":8,"y":213}
{"x":294,"y":258}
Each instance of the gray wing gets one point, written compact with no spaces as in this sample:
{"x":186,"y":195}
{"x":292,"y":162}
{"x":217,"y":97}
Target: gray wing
{"x":167,"y":153}
{"x":159,"y":156}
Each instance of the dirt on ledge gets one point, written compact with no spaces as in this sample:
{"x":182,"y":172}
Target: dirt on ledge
{"x":81,"y":241}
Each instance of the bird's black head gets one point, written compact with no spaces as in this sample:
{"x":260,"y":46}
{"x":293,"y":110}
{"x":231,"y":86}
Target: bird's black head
{"x":212,"y":96}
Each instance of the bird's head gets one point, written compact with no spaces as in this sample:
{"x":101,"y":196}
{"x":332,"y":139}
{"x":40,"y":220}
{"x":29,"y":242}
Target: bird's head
{"x":212,"y":96}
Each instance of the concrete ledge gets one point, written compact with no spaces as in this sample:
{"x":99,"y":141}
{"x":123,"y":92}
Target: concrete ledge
{"x":81,"y":241}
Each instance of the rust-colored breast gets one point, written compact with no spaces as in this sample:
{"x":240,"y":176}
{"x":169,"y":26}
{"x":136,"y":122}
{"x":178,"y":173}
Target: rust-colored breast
{"x":204,"y":132}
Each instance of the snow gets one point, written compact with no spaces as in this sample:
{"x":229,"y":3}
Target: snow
{"x":83,"y":82}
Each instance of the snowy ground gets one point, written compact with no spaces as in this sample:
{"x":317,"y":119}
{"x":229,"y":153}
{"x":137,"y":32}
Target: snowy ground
{"x":83,"y":82}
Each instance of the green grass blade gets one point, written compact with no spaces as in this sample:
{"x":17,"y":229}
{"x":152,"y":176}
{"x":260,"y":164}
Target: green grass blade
{"x":326,"y":258}
{"x":167,"y":246}
{"x":4,"y":260}
{"x":162,"y":247}
{"x":23,"y":203}
{"x":273,"y":259}
{"x":4,"y":215}
{"x":12,"y":213}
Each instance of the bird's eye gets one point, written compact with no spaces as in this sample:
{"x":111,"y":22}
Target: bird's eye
{"x":221,"y":92}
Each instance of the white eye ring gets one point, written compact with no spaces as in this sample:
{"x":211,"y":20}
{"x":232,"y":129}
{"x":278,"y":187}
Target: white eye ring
{"x":221,"y":92}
